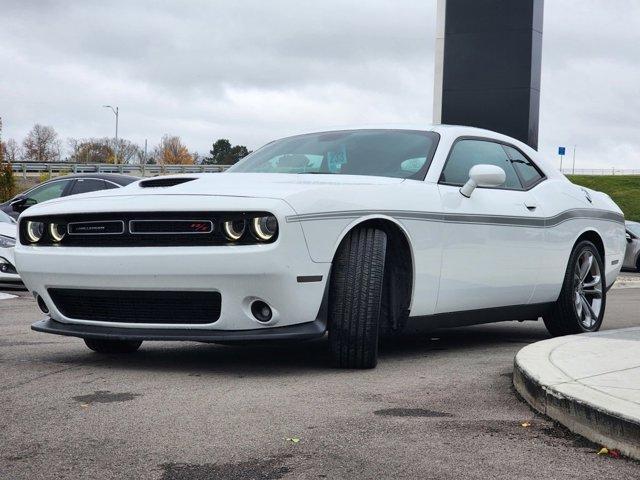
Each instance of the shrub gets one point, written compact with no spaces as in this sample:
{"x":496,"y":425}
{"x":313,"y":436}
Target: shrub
{"x":7,"y":181}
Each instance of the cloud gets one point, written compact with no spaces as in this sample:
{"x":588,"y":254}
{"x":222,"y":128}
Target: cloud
{"x":252,"y":70}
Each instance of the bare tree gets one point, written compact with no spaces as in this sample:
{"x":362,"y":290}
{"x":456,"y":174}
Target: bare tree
{"x":102,"y":150}
{"x":171,"y":151}
{"x":12,"y":151}
{"x":42,"y":144}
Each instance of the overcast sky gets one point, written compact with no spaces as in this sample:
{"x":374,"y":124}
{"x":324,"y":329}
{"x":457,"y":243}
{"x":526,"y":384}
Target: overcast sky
{"x":255,"y":70}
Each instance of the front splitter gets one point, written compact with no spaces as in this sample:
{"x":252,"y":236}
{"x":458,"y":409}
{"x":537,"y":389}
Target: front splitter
{"x":303,"y":331}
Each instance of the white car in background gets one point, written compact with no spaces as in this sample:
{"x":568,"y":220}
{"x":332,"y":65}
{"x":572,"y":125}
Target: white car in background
{"x":632,"y":256}
{"x":355,"y":232}
{"x":8,"y":231}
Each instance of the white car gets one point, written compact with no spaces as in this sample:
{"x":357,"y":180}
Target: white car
{"x":8,"y":230}
{"x":354,"y":232}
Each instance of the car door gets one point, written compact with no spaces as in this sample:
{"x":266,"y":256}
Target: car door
{"x":491,"y":239}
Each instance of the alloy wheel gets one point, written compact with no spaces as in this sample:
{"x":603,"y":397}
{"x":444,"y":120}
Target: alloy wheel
{"x":587,"y":290}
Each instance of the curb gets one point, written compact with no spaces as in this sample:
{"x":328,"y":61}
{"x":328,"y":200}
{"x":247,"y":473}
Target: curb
{"x":594,"y":423}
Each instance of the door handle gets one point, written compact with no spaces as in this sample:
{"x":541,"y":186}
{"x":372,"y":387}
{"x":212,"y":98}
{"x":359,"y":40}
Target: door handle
{"x":530,"y":206}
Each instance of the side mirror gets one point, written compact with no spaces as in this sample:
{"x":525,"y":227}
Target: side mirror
{"x":628,"y":237}
{"x":20,"y":204}
{"x":483,"y":176}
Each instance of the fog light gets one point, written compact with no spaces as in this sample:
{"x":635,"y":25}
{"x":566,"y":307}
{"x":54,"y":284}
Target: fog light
{"x":41,"y":305}
{"x":261,"y":311}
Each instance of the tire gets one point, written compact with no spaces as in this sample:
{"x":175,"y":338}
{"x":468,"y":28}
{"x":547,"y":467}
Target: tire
{"x":113,"y":346}
{"x":566,"y":317}
{"x":638,"y":264}
{"x":355,"y":295}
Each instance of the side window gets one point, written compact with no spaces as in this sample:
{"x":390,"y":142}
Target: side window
{"x":48,"y":191}
{"x":86,"y":185}
{"x":467,"y":153}
{"x":528,"y":172}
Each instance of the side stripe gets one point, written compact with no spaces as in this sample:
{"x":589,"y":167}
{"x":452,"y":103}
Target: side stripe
{"x":503,"y":220}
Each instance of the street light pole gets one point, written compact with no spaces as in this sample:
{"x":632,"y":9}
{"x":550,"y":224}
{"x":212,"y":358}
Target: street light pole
{"x":115,"y":112}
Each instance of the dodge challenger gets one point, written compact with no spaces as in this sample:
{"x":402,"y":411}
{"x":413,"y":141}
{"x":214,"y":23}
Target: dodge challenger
{"x":354,"y":232}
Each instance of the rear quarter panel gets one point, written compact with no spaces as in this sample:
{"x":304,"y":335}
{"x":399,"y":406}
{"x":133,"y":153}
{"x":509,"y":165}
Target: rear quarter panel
{"x":557,"y":196}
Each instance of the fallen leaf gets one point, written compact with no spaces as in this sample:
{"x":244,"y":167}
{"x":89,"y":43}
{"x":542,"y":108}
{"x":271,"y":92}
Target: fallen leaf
{"x":525,"y":424}
{"x":84,"y":405}
{"x":614,"y":453}
{"x":603,"y":451}
{"x":293,"y":440}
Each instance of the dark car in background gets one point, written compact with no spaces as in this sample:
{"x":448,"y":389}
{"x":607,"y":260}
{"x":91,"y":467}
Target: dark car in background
{"x":63,"y":187}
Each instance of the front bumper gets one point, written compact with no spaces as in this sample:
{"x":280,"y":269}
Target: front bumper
{"x":282,"y":274}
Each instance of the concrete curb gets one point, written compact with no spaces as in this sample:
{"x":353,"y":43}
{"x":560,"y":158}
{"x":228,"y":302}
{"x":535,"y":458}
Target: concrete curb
{"x":579,"y":407}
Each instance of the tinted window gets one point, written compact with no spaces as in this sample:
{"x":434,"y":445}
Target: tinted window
{"x":467,"y":153}
{"x":48,"y":191}
{"x":87,"y":185}
{"x":387,"y":153}
{"x":527,"y":170}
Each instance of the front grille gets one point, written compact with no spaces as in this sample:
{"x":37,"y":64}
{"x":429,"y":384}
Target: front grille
{"x":144,"y":229}
{"x":133,"y":306}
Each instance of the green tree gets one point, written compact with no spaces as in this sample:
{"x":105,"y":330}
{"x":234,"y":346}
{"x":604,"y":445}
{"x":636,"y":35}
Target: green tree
{"x":7,"y":181}
{"x":222,"y":153}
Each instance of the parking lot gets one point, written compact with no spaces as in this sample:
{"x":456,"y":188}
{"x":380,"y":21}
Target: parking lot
{"x":439,"y":406}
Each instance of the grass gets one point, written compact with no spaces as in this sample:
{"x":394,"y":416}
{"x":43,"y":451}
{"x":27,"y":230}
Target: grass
{"x":624,"y":189}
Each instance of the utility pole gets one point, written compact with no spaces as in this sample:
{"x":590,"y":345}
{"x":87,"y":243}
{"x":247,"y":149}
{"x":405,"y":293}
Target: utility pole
{"x":115,"y":112}
{"x":573,"y":170}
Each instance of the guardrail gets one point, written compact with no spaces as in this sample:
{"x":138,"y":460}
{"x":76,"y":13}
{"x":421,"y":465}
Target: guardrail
{"x":31,"y":169}
{"x":601,"y":171}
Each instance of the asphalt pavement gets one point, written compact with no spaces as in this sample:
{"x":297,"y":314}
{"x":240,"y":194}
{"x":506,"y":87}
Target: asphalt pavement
{"x":439,"y":406}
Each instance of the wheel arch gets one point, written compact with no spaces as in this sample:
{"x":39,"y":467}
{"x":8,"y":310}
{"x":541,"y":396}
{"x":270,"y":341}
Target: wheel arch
{"x":594,"y":237}
{"x":399,"y":241}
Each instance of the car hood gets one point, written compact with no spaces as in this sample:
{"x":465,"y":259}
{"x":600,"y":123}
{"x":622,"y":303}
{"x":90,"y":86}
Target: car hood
{"x":8,"y":229}
{"x":287,"y":187}
{"x":253,"y":185}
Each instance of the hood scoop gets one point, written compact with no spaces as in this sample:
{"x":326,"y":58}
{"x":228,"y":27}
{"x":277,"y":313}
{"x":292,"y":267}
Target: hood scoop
{"x":164,"y":182}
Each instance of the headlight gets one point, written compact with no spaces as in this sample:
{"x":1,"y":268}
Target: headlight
{"x":233,"y":230}
{"x":57,"y":231}
{"x":35,"y":230}
{"x":264,"y":228}
{"x":7,"y":242}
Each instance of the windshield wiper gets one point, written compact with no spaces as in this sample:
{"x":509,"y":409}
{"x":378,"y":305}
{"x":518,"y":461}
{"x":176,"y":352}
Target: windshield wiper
{"x":317,"y":173}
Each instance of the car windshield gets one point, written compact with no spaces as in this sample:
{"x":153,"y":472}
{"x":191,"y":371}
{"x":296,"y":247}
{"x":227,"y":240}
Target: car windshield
{"x":386,"y":153}
{"x":634,"y":228}
{"x":4,"y":218}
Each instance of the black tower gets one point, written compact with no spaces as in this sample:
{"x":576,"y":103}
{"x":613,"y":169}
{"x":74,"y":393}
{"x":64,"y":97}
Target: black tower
{"x":488,"y":60}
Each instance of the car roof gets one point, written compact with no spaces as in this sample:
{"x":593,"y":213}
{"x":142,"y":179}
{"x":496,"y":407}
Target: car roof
{"x":112,"y":177}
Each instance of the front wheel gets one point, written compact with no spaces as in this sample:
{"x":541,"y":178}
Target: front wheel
{"x":112,"y":346}
{"x":580,"y":307}
{"x":355,"y":298}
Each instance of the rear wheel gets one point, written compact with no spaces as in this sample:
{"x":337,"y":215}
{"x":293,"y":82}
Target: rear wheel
{"x":355,"y":295}
{"x":113,"y":346}
{"x":580,"y":307}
